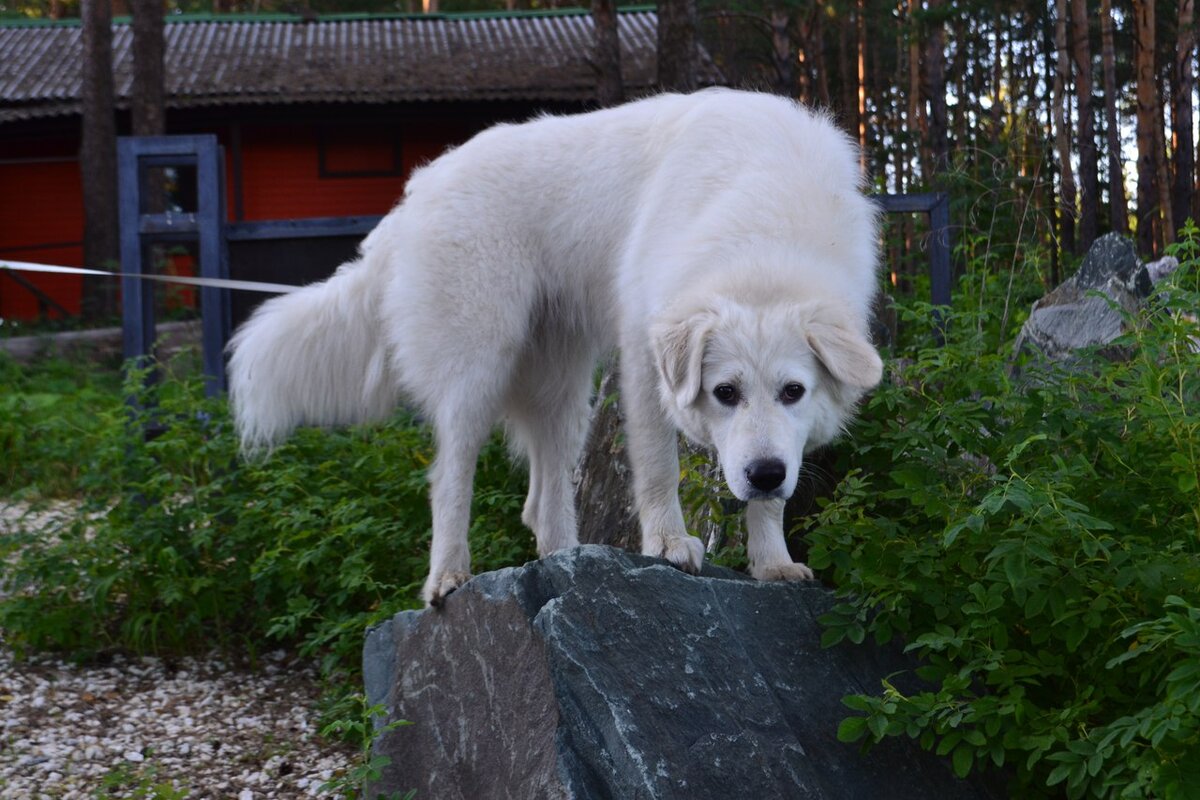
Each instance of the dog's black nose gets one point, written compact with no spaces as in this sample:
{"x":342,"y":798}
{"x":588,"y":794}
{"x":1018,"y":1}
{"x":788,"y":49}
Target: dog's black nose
{"x":766,"y":474}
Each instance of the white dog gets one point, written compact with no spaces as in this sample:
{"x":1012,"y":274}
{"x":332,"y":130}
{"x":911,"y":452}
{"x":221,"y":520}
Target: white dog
{"x":720,"y":239}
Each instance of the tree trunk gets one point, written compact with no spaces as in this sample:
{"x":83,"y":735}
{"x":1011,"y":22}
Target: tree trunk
{"x":1162,"y":178}
{"x":1051,"y":185}
{"x":860,"y":42}
{"x":845,"y":68}
{"x":997,"y":83}
{"x":1181,"y":116}
{"x":1089,"y":174}
{"x":918,"y":130}
{"x":818,"y":55}
{"x":806,"y":52}
{"x":148,"y":102}
{"x":610,"y":91}
{"x":98,"y":159}
{"x":899,"y":121}
{"x":677,"y":53}
{"x":934,"y":89}
{"x":960,"y":126}
{"x":783,"y":54}
{"x":1118,"y":208}
{"x":1062,"y":136}
{"x":1148,"y":228}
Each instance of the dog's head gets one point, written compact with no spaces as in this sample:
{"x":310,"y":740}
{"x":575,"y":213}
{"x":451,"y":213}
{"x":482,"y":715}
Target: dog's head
{"x":762,"y":384}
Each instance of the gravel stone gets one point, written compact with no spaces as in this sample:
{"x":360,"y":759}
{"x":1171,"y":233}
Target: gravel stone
{"x":198,"y":725}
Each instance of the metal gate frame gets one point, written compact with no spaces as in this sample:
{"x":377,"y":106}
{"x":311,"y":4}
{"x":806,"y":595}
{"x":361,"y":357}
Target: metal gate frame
{"x":136,"y":155}
{"x":937,"y":206}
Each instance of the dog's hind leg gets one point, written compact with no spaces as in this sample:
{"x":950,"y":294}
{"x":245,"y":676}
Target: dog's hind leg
{"x":460,"y":434}
{"x":548,"y":414}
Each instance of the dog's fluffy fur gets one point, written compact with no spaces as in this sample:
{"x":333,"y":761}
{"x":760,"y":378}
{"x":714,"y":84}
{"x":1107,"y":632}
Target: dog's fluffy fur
{"x":720,"y":239}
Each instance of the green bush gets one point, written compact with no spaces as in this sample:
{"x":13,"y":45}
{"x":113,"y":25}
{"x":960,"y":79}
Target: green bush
{"x":51,"y":421}
{"x":1034,"y":540}
{"x":186,"y":547}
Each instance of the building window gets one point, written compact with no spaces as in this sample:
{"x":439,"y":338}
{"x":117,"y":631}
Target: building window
{"x":359,"y":151}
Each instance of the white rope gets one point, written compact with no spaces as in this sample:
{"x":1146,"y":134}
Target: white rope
{"x":218,"y":283}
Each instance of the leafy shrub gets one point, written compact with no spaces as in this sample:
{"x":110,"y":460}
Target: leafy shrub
{"x":357,"y":723}
{"x":1034,"y":540}
{"x":51,"y":421}
{"x":188,"y":547}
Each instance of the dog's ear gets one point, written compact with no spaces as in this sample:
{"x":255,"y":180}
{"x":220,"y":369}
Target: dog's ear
{"x":847,"y":355}
{"x":679,"y":354}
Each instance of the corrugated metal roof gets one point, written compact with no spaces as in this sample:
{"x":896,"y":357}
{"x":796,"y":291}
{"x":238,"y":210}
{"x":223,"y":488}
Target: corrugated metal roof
{"x":227,"y":61}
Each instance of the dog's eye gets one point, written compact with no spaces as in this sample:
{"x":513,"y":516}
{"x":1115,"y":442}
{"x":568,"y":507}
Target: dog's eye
{"x":726,"y":394}
{"x":791,"y":393}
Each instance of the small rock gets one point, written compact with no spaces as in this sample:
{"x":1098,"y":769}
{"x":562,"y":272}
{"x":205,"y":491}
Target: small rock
{"x":1157,"y":270}
{"x":1111,"y":257}
{"x":1085,"y":310}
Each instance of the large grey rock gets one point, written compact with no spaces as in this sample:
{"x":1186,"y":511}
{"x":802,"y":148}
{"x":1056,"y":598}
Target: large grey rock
{"x":1087,"y":309}
{"x":599,"y":674}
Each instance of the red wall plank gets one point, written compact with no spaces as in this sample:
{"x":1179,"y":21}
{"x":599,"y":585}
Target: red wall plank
{"x":41,"y":220}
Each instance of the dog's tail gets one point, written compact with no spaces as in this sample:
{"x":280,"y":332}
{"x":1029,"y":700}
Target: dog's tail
{"x":316,"y":356}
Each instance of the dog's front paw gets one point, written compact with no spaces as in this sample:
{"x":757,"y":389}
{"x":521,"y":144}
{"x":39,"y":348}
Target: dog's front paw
{"x":439,"y":586}
{"x":685,"y":552}
{"x":782,"y":572}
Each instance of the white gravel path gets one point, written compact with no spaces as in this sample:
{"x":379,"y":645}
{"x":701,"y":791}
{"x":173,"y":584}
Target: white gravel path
{"x":145,"y":727}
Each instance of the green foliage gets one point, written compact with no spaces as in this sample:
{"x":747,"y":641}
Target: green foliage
{"x":361,"y":727}
{"x":1034,"y":540}
{"x":137,"y":782}
{"x":51,"y":421}
{"x":711,"y":512}
{"x":185,"y":546}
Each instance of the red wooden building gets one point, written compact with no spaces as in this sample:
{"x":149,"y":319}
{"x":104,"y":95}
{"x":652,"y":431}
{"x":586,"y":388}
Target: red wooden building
{"x":318,"y":117}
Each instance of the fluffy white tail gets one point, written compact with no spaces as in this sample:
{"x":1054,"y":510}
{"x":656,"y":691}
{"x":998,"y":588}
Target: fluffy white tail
{"x":313,"y":357}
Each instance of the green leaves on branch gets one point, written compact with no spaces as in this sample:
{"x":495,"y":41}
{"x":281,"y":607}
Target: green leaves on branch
{"x":1037,"y":546}
{"x":183,"y":546}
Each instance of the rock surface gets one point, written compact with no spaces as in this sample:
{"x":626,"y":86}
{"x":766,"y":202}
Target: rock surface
{"x":1087,"y":309}
{"x":599,"y":674}
{"x":603,"y":480}
{"x":1080,"y":312}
